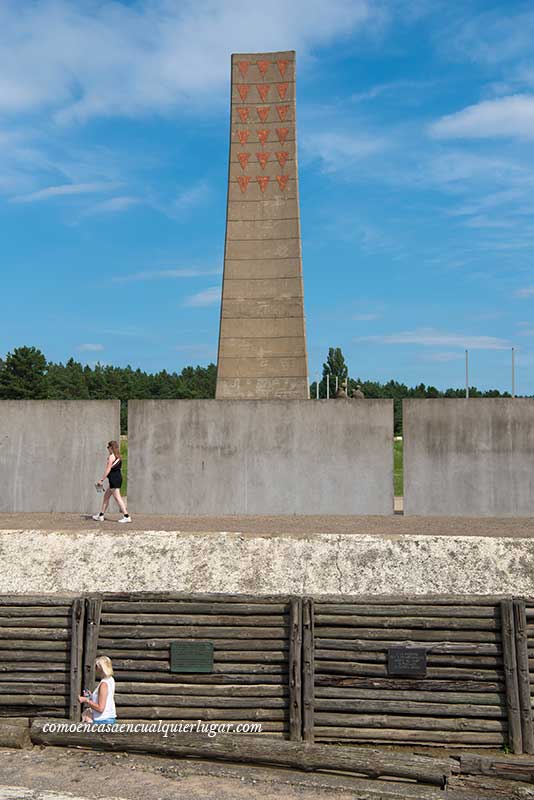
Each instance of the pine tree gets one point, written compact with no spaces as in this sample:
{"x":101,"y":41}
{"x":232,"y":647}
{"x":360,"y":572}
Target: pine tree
{"x":23,"y":375}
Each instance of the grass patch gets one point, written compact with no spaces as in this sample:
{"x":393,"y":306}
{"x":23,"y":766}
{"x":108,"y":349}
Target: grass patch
{"x":398,"y":476}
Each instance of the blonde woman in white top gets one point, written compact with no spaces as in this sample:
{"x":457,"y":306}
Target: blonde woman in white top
{"x":101,"y":704}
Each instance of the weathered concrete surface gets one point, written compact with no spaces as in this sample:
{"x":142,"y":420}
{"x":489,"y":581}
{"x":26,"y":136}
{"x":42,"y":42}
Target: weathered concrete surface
{"x":260,"y":457}
{"x":469,"y":457}
{"x":262,"y":342}
{"x":53,"y":451}
{"x":96,"y":561}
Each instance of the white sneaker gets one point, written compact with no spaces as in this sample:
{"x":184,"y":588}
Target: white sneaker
{"x":99,"y":517}
{"x":125,"y":518}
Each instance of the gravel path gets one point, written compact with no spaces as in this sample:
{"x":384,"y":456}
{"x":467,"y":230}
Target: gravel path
{"x":272,"y":526}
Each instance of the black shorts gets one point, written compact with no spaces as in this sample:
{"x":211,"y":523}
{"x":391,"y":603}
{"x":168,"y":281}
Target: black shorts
{"x":115,"y":481}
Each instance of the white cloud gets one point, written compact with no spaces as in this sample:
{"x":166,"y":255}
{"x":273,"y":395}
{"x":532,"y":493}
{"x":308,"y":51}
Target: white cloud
{"x":164,"y":274}
{"x":90,"y":348}
{"x":526,"y":291}
{"x":337,"y":151}
{"x":511,"y":116}
{"x":115,"y":204}
{"x":443,"y":357}
{"x":88,"y":59}
{"x":208,"y":297}
{"x":430,"y":337}
{"x":62,"y":191}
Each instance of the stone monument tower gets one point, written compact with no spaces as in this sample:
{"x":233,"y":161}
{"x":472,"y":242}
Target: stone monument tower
{"x":262,"y":341}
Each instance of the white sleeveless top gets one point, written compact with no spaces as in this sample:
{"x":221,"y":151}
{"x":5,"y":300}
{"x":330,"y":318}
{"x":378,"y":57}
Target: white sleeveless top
{"x":109,"y":709}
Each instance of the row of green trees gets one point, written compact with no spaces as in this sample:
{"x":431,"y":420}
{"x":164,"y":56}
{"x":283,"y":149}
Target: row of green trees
{"x":335,"y":366}
{"x":25,"y":374}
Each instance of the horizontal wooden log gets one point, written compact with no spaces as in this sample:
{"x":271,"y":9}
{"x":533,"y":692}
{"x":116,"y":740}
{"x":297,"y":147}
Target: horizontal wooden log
{"x":268,"y":728}
{"x":54,"y":677}
{"x":398,"y":722}
{"x":35,"y":611}
{"x":211,"y":678}
{"x":411,"y":684}
{"x":413,"y":599}
{"x":205,"y":714}
{"x":504,"y":767}
{"x":378,"y":657}
{"x":390,"y":735}
{"x":33,"y":666}
{"x":349,"y":693}
{"x":423,"y":623}
{"x":203,"y":597}
{"x":438,"y":648}
{"x":30,"y":644}
{"x":46,"y":656}
{"x":407,"y":634}
{"x":22,"y":600}
{"x":344,"y":668}
{"x":254,"y":749}
{"x":201,"y":690}
{"x":404,"y":610}
{"x":255,"y":657}
{"x":35,"y":622}
{"x":123,"y":665}
{"x":193,"y":632}
{"x":142,"y":645}
{"x":34,"y":688}
{"x":15,"y":736}
{"x":46,"y":699}
{"x":35,"y":713}
{"x":115,"y":619}
{"x":192,"y":607}
{"x":196,"y":702}
{"x":57,"y":634}
{"x":345,"y":705}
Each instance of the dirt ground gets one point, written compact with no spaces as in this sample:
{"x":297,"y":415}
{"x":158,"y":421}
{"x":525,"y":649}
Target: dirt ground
{"x":75,"y":774}
{"x":273,"y":526}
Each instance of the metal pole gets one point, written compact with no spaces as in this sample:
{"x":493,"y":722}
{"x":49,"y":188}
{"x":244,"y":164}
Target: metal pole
{"x":336,"y":382}
{"x":317,"y":388}
{"x":467,"y":373}
{"x":513,"y":371}
{"x":328,"y":386}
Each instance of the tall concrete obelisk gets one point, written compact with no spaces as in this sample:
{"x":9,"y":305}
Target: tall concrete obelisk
{"x":262,"y":340}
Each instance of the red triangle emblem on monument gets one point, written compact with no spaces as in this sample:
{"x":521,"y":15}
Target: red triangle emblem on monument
{"x":243,"y":67}
{"x":263,"y":180}
{"x":263,"y":158}
{"x":282,"y":66}
{"x":282,"y":158}
{"x":263,"y":66}
{"x":282,"y":181}
{"x":282,"y":89}
{"x":243,"y":181}
{"x":263,"y":135}
{"x":282,"y":112}
{"x":242,"y":88}
{"x":263,"y":113}
{"x":263,"y":91}
{"x":243,"y":113}
{"x":282,"y":134}
{"x":243,"y":136}
{"x":243,"y":159}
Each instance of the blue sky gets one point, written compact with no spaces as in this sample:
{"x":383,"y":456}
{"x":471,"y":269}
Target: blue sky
{"x":416,"y":164}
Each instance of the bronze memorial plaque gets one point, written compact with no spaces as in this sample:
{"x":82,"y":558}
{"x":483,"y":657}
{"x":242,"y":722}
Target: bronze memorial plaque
{"x":191,"y":656}
{"x":407,"y":662}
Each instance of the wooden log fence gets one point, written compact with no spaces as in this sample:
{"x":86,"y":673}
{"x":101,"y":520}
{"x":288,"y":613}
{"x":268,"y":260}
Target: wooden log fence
{"x":311,"y":669}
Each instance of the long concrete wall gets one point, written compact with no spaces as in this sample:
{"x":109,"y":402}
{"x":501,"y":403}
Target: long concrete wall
{"x":53,"y":451}
{"x":260,"y":457}
{"x":469,"y":457}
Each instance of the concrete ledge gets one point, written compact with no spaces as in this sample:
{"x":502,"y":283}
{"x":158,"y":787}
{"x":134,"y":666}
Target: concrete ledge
{"x":95,"y":561}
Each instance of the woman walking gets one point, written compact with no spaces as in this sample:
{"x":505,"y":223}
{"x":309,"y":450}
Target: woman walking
{"x":101,"y":704}
{"x":114,"y":475}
